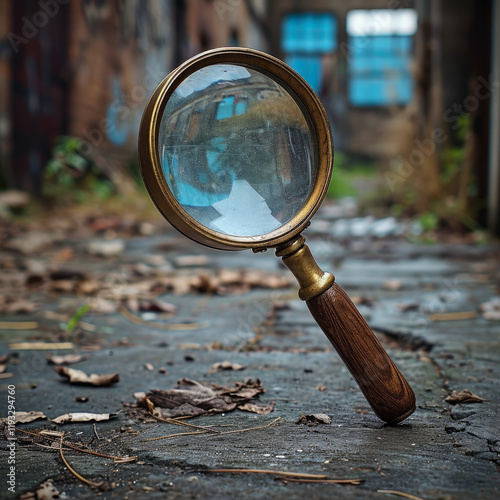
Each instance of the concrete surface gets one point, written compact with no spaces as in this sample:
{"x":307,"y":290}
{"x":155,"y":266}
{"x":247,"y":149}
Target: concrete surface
{"x":440,"y":452}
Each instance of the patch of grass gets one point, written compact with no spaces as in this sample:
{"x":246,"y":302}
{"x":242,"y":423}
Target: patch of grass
{"x":347,"y":170}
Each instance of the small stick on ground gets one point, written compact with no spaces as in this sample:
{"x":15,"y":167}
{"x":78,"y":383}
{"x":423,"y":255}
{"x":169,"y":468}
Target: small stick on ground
{"x":206,"y":431}
{"x":399,"y":493}
{"x":161,"y":326}
{"x":173,"y":435}
{"x":77,"y":448}
{"x":354,"y":482}
{"x":292,"y":475}
{"x":184,"y":424}
{"x":95,"y":431}
{"x":81,"y":478}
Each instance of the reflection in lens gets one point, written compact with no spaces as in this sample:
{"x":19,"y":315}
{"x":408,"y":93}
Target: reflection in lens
{"x":236,"y":150}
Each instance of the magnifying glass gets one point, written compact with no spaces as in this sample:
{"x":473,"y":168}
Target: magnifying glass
{"x":236,"y":152}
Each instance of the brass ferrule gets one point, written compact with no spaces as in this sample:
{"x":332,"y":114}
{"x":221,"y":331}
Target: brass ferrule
{"x":298,"y":258}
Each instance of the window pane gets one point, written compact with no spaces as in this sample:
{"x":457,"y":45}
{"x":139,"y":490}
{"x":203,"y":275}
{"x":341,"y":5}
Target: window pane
{"x":380,"y":56}
{"x":309,"y":32}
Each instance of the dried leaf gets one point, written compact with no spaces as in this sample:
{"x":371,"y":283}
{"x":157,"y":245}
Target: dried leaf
{"x":193,"y":398}
{"x":24,"y":417}
{"x":106,"y":248}
{"x":64,"y":286}
{"x":68,"y":359}
{"x":491,"y":309}
{"x":392,"y":285}
{"x":47,"y":491}
{"x":83,"y":417}
{"x":104,"y":306}
{"x":89,"y":287}
{"x":156,"y":305}
{"x":408,"y":306}
{"x":17,"y":305}
{"x":315,"y":419}
{"x":192,"y":261}
{"x":149,"y":367}
{"x":225,"y":365}
{"x":3,"y":368}
{"x":80,"y":377}
{"x":260,"y":409}
{"x":464,"y":396}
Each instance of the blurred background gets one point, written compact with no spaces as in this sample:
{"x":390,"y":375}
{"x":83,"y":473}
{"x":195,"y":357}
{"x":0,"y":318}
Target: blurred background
{"x":411,"y":89}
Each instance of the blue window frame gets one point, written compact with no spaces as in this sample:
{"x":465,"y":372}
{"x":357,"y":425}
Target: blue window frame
{"x":380,"y":56}
{"x":305,"y":38}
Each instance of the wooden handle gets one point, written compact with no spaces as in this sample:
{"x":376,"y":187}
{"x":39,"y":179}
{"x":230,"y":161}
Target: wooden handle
{"x":387,"y":391}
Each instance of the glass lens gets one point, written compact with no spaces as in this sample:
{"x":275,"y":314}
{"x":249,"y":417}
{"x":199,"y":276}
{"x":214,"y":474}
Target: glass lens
{"x":236,"y":150}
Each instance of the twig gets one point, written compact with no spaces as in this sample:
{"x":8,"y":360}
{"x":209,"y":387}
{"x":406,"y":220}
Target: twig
{"x":252,"y":428}
{"x":38,"y":346}
{"x":354,"y":482}
{"x":220,"y":433}
{"x":76,"y":448}
{"x":294,"y":475}
{"x":453,"y":316}
{"x":162,"y":326}
{"x":18,"y":325}
{"x":399,"y":493}
{"x":81,"y":478}
{"x":184,"y":424}
{"x":173,"y":435}
{"x":95,"y":431}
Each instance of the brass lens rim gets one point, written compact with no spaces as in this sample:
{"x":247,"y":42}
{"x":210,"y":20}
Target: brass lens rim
{"x":152,"y":170}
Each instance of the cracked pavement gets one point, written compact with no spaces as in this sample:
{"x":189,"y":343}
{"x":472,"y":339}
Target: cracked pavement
{"x":442,"y":451}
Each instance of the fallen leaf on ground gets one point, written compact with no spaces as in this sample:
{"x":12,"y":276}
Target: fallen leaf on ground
{"x":361,"y":300}
{"x":68,"y":359}
{"x":225,"y":365}
{"x":464,"y":396}
{"x":89,"y":287}
{"x":192,"y":261}
{"x":63,"y":255}
{"x":83,"y":417}
{"x":491,"y":309}
{"x":106,"y":248}
{"x":156,"y":305}
{"x":64,"y":286}
{"x":321,"y":388}
{"x":4,"y":359}
{"x":24,"y":417}
{"x":80,"y":377}
{"x":392,"y":285}
{"x":149,"y":367}
{"x":315,"y":419}
{"x":105,"y":306}
{"x":3,"y":368}
{"x":31,"y":243}
{"x":408,"y":306}
{"x":19,"y":305}
{"x":260,"y":409}
{"x":46,"y":491}
{"x":193,"y":398}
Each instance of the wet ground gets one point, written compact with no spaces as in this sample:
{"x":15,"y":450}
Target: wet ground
{"x":424,"y":302}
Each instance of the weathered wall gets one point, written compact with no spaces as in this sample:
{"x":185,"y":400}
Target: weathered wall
{"x":4,"y":89}
{"x":90,"y":67}
{"x":118,"y":52}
